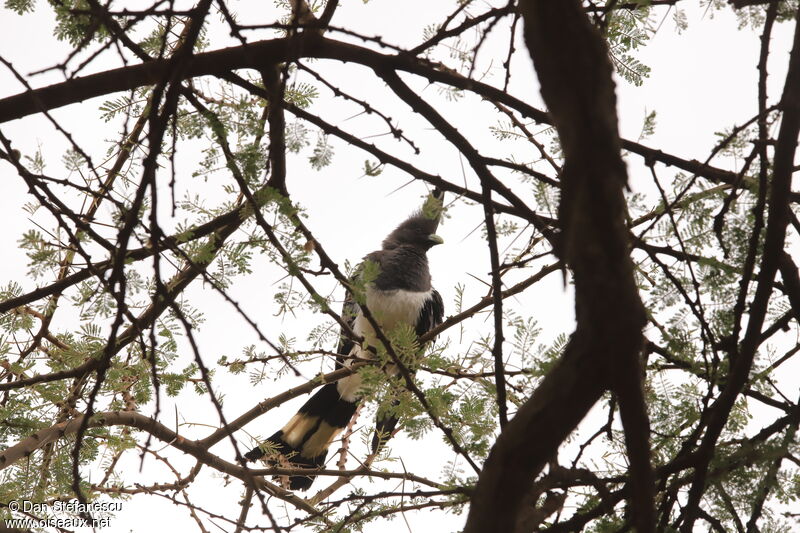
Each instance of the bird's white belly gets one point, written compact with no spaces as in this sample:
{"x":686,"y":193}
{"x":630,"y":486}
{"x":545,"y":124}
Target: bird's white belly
{"x":390,"y":309}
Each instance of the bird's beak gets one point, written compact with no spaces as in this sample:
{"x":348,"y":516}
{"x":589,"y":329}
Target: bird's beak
{"x":435,"y":239}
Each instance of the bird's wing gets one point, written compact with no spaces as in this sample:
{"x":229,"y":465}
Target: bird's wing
{"x":350,"y":308}
{"x":431,"y":314}
{"x":349,"y":313}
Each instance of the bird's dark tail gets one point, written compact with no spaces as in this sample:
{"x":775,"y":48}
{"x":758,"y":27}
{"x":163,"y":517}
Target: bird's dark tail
{"x":384,"y":428}
{"x":303,"y":442}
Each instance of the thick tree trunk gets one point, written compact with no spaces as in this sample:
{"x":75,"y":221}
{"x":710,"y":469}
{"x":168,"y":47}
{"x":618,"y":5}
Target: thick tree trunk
{"x":575,"y":75}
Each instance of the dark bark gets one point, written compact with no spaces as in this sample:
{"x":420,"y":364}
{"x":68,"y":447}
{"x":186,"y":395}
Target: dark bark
{"x":575,"y":75}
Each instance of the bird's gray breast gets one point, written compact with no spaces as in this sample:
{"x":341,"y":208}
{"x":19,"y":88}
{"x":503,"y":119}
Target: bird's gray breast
{"x":403,"y":268}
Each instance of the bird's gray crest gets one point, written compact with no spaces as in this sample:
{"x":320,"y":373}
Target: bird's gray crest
{"x":420,"y":227}
{"x":414,"y":231}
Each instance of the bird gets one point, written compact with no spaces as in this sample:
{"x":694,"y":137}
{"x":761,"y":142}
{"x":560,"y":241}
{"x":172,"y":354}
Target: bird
{"x":400,"y":294}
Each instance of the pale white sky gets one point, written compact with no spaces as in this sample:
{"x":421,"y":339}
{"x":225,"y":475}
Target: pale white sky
{"x":702,"y":81}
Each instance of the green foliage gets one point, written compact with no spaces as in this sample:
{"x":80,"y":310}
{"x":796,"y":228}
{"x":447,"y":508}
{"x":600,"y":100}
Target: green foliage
{"x":43,"y":255}
{"x":75,"y":28}
{"x":680,"y":20}
{"x":372,"y":169}
{"x":20,"y":6}
{"x":301,"y":94}
{"x":114,"y":107}
{"x":754,"y":16}
{"x":365,"y":273}
{"x":648,"y":126}
{"x":73,"y":161}
{"x":627,"y":30}
{"x":296,"y":136}
{"x":323,"y":153}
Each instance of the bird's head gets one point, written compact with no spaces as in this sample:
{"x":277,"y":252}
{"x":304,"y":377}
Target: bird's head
{"x":418,"y":231}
